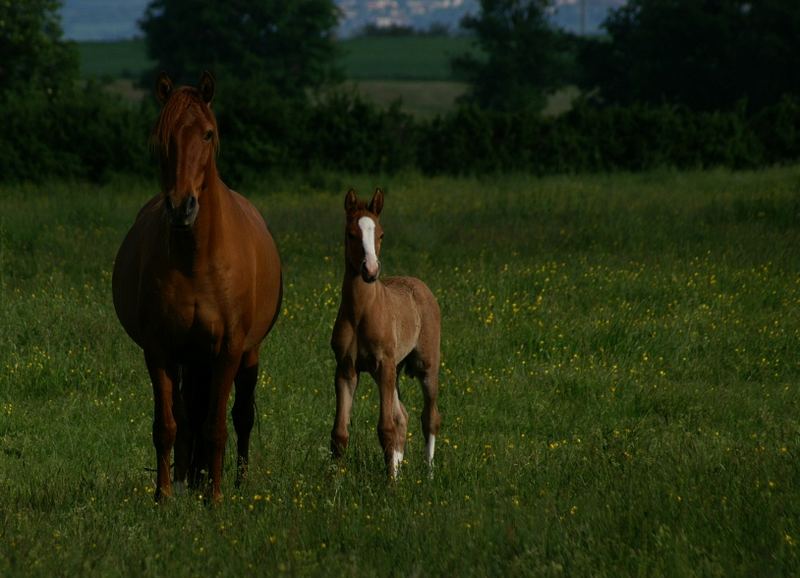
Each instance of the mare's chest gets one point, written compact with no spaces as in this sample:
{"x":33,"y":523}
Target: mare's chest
{"x":194,"y":312}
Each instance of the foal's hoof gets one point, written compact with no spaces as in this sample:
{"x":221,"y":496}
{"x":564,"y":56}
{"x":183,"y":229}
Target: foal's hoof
{"x":338,"y":447}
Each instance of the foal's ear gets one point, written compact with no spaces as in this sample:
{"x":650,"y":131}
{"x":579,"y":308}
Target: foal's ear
{"x":376,"y":204}
{"x":163,"y":87}
{"x":350,"y":201}
{"x":206,"y":86}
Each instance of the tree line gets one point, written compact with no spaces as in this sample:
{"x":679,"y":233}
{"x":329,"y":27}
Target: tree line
{"x":683,"y":83}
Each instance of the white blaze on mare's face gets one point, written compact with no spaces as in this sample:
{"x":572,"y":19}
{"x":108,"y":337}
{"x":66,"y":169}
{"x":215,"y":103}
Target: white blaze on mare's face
{"x":367,"y":226}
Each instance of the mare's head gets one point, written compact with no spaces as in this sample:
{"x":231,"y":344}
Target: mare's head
{"x":363,"y":235}
{"x":185,"y":138}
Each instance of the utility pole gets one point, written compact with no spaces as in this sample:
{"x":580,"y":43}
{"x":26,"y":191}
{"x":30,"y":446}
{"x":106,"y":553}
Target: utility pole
{"x":583,"y":17}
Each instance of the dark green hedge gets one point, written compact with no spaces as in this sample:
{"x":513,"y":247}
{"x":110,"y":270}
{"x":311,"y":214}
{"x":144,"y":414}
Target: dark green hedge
{"x":82,"y":135}
{"x":92,"y":135}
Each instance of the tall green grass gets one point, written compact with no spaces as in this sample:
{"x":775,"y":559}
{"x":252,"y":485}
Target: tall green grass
{"x":619,"y":388}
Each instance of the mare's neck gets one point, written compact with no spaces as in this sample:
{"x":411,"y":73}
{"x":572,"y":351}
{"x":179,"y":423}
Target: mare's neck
{"x":190,"y":248}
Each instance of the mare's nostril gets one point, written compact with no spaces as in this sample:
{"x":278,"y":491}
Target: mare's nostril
{"x":191,"y":204}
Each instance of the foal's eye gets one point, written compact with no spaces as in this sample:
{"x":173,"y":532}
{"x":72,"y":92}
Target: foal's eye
{"x":208,"y":136}
{"x":352,"y":236}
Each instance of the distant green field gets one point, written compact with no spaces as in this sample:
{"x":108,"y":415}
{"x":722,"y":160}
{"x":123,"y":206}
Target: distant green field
{"x":113,"y":60}
{"x":401,"y":58}
{"x":412,"y":69}
{"x":389,"y":58}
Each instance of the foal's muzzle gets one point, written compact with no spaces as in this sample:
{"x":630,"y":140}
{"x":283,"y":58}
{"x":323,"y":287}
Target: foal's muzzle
{"x":370,"y":274}
{"x":184,"y":214}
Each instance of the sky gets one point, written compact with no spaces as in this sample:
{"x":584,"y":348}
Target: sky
{"x":101,"y":19}
{"x":117,"y":19}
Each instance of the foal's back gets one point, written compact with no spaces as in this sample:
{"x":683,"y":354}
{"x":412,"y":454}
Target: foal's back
{"x":416,"y":319}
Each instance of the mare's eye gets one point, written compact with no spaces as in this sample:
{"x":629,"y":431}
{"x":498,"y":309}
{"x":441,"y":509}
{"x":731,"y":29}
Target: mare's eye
{"x":352,"y":236}
{"x":208,"y":136}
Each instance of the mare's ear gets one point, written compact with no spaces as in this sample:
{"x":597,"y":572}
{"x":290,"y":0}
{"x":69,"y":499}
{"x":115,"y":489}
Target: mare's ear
{"x":376,"y":204}
{"x":206,"y":86}
{"x":350,"y":201}
{"x":163,"y":87}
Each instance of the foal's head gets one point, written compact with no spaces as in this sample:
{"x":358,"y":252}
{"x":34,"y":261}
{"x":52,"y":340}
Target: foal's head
{"x":363,"y":235}
{"x":186,"y":140}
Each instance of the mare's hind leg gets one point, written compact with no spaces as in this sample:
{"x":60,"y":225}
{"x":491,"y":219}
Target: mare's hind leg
{"x":244,"y":410}
{"x":346,"y":382}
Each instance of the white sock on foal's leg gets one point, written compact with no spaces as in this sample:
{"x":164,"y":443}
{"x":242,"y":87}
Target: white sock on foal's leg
{"x":430,"y":448}
{"x":397,"y":459}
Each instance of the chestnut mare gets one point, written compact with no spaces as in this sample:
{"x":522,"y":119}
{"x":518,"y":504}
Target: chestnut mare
{"x":383,"y":327}
{"x":197,"y":285}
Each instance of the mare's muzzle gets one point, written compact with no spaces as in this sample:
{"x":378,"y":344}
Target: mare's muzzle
{"x":184,"y":214}
{"x":370,"y":271}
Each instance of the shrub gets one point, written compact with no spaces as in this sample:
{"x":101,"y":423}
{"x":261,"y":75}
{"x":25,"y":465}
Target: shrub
{"x":86,"y":134}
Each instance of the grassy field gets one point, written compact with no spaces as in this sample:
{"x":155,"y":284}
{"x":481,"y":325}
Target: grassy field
{"x":619,"y":388}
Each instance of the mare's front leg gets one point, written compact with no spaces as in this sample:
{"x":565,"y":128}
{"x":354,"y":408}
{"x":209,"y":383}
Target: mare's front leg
{"x":346,"y":382}
{"x":164,"y":377}
{"x":223,"y":371}
{"x":393,"y":420}
{"x":244,"y":412}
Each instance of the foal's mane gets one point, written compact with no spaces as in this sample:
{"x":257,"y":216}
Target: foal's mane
{"x":179,"y":102}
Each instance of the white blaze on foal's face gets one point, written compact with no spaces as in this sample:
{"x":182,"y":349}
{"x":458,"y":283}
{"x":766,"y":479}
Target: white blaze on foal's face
{"x":367,"y":226}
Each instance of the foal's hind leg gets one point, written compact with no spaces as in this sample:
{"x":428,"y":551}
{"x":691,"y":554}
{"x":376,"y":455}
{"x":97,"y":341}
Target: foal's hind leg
{"x":244,"y":410}
{"x":431,"y":420}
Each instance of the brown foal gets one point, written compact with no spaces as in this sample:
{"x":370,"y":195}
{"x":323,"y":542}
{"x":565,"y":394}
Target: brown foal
{"x":383,"y":327}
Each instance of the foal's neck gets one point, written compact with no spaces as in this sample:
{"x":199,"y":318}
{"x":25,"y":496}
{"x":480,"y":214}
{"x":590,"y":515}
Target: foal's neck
{"x":358,"y":296}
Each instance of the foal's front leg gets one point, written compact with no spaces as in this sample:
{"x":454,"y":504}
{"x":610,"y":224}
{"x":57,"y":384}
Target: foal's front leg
{"x":393,"y":420}
{"x":346,"y":382}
